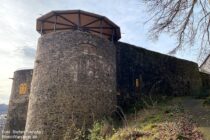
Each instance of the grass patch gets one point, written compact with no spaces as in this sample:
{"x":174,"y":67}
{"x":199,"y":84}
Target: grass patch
{"x":147,"y":102}
{"x":96,"y":131}
{"x":205,"y":131}
{"x":162,"y":120}
{"x":103,"y":130}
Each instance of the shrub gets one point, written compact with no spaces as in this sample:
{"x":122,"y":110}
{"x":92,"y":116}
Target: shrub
{"x":95,"y":132}
{"x":101,"y":130}
{"x":74,"y":133}
{"x":129,"y":134}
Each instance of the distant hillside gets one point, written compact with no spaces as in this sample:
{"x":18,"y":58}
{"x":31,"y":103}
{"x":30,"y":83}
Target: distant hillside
{"x":3,"y":108}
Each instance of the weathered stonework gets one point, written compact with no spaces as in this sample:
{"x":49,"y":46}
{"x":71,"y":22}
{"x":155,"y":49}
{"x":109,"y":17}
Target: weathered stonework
{"x":18,"y":103}
{"x":156,"y":73}
{"x":205,"y":82}
{"x":74,"y":79}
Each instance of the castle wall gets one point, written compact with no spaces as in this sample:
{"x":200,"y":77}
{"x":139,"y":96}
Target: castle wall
{"x":18,"y":103}
{"x":74,"y":81}
{"x":205,"y":82}
{"x":142,"y":72}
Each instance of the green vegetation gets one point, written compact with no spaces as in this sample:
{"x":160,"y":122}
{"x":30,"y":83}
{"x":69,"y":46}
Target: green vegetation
{"x":147,"y":102}
{"x":101,"y":131}
{"x":74,"y":133}
{"x":96,"y":132}
{"x":174,"y":119}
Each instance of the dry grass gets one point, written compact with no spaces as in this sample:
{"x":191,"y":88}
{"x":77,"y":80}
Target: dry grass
{"x":159,"y":123}
{"x":178,"y":119}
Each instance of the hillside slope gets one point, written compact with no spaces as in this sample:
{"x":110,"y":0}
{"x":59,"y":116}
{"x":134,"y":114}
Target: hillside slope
{"x":182,"y":118}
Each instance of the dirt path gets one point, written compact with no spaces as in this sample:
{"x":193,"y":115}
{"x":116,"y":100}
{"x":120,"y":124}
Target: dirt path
{"x":199,"y":113}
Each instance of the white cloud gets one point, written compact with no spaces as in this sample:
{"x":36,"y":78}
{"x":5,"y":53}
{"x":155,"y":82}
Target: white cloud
{"x":18,"y":36}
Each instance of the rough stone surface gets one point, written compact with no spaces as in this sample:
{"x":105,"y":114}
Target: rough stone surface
{"x":205,"y":79}
{"x":18,"y":103}
{"x":157,"y":73}
{"x":74,"y":80}
{"x":205,"y":82}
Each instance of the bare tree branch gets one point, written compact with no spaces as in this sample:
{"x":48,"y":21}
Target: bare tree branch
{"x":188,"y":20}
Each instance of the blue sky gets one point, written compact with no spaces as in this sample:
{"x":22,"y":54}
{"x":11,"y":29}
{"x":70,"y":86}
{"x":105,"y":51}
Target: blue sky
{"x":18,"y":37}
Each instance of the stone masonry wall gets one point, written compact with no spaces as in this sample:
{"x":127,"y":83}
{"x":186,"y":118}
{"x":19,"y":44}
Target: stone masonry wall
{"x":141,"y":72}
{"x":74,"y":81}
{"x":205,"y":83}
{"x":18,"y":103}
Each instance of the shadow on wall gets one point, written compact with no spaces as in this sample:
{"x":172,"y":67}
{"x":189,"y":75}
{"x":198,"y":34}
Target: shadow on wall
{"x":142,"y":72}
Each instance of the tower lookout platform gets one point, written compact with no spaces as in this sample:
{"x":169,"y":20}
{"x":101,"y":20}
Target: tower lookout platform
{"x":78,"y":20}
{"x":74,"y":79}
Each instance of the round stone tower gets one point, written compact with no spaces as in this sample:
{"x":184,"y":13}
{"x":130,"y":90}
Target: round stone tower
{"x":74,"y":79}
{"x":18,"y":103}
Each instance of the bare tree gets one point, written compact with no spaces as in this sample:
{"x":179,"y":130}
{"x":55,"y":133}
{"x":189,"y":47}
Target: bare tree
{"x":188,"y":20}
